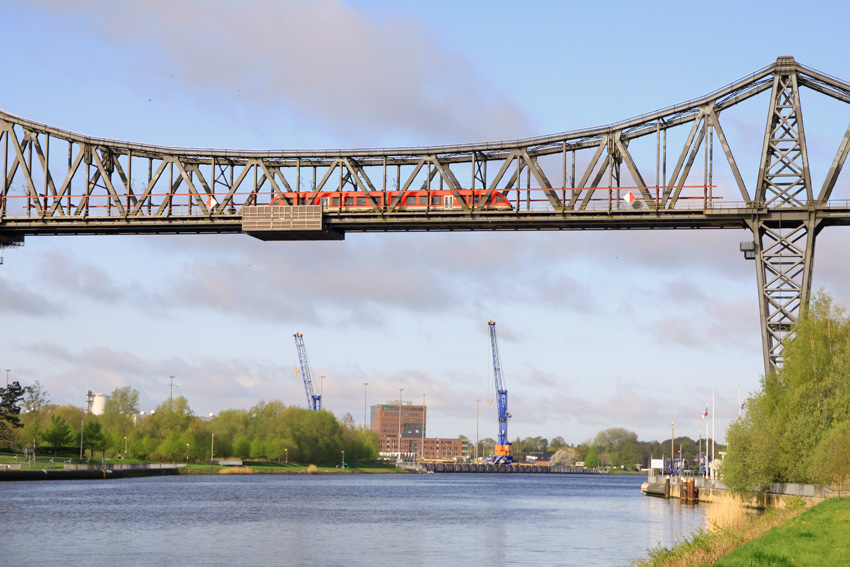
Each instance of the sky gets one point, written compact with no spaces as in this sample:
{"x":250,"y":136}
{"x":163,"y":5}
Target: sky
{"x":633,"y":329}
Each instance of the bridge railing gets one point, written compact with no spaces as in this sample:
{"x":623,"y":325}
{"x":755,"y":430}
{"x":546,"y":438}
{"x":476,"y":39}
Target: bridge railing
{"x":187,"y":204}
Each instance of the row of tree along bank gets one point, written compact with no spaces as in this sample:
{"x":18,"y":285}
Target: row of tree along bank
{"x":172,"y":433}
{"x":273,"y":431}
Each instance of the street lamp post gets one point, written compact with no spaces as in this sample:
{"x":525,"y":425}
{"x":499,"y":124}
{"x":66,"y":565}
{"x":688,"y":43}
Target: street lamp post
{"x":212,"y":449}
{"x":477,"y":413}
{"x":187,"y":454}
{"x":82,"y":426}
{"x":125,"y":446}
{"x":287,"y":455}
{"x":400,"y":390}
{"x":365,"y":385}
{"x":343,"y":459}
{"x":422,"y":442}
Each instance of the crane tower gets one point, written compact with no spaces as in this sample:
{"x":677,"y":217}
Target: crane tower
{"x":314,"y":402}
{"x":502,"y":451}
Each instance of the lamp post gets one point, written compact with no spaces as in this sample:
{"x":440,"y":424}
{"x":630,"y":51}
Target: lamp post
{"x":125,"y":446}
{"x":212,"y":449}
{"x":400,"y":390}
{"x":422,"y":443}
{"x":672,"y":451}
{"x":477,"y":413}
{"x":7,"y":378}
{"x":187,"y":454}
{"x":365,"y":386}
{"x":287,"y":455}
{"x":343,"y":459}
{"x":82,"y":426}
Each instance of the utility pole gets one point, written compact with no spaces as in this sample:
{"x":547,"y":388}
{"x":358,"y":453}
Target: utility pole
{"x":171,"y":392}
{"x":7,"y":378}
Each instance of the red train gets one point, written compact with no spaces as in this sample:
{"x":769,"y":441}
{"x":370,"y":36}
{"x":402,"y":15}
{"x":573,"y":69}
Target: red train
{"x":398,"y":200}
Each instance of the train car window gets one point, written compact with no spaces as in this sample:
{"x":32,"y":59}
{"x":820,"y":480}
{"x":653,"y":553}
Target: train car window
{"x":302,"y":200}
{"x":423,"y":199}
{"x":436,"y":200}
{"x":361,"y":201}
{"x":475,"y":199}
{"x":411,"y":200}
{"x":335,"y":201}
{"x":349,"y":201}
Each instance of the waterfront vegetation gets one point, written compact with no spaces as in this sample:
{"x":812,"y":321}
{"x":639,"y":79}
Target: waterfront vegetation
{"x":782,"y":537}
{"x":269,"y":431}
{"x":797,"y":424}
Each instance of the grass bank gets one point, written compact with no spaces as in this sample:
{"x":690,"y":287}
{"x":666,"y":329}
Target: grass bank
{"x":819,"y":536}
{"x":788,"y":537}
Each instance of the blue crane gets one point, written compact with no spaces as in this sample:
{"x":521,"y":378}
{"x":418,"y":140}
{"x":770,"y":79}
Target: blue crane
{"x":502,"y":450}
{"x":314,"y":402}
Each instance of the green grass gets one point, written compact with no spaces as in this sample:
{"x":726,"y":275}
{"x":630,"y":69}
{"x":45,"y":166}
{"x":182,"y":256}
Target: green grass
{"x":819,"y":536}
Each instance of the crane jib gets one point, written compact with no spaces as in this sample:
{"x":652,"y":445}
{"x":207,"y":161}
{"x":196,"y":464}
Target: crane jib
{"x":314,"y":402}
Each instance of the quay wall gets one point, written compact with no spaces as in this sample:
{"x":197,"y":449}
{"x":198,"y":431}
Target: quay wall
{"x":712,"y":490}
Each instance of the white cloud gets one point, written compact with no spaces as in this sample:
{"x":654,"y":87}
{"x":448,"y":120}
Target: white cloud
{"x":325,"y":60}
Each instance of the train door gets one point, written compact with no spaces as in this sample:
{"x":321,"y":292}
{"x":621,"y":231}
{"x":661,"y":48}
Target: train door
{"x":450,"y":201}
{"x":325,"y":203}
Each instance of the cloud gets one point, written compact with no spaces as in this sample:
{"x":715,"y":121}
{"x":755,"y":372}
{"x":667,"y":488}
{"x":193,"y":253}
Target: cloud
{"x":65,"y":273}
{"x":323,"y":59}
{"x":15,"y":299}
{"x":364,"y":278}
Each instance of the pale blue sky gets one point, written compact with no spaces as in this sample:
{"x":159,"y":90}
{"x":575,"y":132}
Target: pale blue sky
{"x":626,"y":329}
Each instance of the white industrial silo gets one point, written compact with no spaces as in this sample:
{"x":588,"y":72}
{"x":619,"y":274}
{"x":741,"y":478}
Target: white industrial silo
{"x":99,"y":403}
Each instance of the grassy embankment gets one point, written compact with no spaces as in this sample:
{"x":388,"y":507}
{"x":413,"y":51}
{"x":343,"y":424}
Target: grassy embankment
{"x":788,"y":537}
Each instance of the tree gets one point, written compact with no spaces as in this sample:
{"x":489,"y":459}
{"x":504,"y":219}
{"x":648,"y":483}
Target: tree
{"x":592,"y":458}
{"x":119,"y":414}
{"x":797,"y":407}
{"x":35,"y":400}
{"x":10,"y":410}
{"x":832,"y":458}
{"x":58,"y":433}
{"x":93,"y":437}
{"x":565,"y":456}
{"x":557,"y":443}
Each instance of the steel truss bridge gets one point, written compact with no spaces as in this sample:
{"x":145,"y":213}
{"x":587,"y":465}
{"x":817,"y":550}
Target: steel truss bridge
{"x":59,"y":182}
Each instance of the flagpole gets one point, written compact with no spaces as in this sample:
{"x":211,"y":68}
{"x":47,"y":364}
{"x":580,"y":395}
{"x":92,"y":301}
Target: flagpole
{"x":713,"y":433}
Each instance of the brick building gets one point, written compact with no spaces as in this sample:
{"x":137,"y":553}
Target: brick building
{"x":405,"y":424}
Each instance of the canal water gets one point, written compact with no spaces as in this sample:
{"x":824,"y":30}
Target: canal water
{"x":350,"y":520}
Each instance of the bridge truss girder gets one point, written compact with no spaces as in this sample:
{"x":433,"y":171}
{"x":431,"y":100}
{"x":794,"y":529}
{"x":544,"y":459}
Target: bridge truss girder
{"x":59,"y":182}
